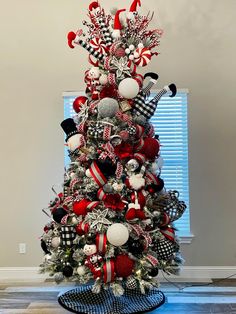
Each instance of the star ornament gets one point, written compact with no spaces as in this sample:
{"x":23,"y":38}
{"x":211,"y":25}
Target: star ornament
{"x":121,"y":67}
{"x":97,"y":218}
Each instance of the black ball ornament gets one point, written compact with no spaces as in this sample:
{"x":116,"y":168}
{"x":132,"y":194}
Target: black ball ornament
{"x":153,"y":272}
{"x":107,"y":167}
{"x":67,"y":271}
{"x":58,"y":214}
{"x":135,"y":246}
{"x":44,"y":247}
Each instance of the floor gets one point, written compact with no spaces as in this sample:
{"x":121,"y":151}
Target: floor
{"x":41,"y":298}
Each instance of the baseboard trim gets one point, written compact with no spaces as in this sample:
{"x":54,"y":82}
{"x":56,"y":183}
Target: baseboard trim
{"x":188,"y":273}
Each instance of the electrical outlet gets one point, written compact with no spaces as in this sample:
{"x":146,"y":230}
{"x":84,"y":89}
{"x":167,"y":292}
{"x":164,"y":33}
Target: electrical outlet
{"x":22,"y":248}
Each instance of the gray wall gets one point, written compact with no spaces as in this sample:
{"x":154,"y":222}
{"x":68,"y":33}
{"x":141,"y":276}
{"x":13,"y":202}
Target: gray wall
{"x":197,"y":52}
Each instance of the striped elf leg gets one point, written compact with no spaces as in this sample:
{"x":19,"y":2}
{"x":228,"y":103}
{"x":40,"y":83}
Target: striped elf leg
{"x":105,"y":31}
{"x":152,"y":105}
{"x":139,"y":100}
{"x":90,"y":49}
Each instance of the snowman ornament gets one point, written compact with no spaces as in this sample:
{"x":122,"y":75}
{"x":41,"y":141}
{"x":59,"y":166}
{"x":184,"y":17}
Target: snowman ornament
{"x":93,"y":260}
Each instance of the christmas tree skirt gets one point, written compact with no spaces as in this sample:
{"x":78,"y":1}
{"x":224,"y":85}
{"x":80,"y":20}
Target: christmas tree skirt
{"x":83,"y":301}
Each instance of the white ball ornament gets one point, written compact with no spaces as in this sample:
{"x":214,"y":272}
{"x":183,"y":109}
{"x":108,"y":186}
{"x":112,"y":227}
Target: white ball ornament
{"x":55,"y":242}
{"x":131,"y":47}
{"x":128,"y":88}
{"x":88,"y":173}
{"x":136,"y":54}
{"x":131,"y":57}
{"x":140,"y":45}
{"x":127,"y":51}
{"x":103,"y":79}
{"x":117,"y":234}
{"x":81,"y":270}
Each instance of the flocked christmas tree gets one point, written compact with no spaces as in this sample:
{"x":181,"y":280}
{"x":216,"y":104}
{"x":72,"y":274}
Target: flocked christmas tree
{"x":113,"y":221}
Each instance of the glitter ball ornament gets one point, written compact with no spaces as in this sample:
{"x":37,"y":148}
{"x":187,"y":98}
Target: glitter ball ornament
{"x":124,"y":266}
{"x":79,"y":102}
{"x":108,"y":107}
{"x":150,"y":148}
{"x":58,"y":277}
{"x":67,"y":271}
{"x":55,"y":242}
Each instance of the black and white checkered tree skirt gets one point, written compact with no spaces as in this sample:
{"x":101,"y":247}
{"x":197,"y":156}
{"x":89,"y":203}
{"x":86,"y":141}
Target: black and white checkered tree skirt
{"x":83,"y":301}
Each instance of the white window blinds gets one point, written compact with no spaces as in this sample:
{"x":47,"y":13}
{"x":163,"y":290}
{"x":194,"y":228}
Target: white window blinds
{"x":171,"y":124}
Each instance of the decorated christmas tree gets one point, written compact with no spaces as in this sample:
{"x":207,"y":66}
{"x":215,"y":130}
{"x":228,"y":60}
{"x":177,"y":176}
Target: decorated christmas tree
{"x":112,"y":223}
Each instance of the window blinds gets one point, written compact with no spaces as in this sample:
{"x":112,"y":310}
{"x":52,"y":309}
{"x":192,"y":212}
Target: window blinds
{"x":171,"y":124}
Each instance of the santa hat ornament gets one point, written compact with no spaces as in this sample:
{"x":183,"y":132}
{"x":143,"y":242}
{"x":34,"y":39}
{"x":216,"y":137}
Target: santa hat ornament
{"x":117,"y":24}
{"x":94,"y":6}
{"x":133,"y":9}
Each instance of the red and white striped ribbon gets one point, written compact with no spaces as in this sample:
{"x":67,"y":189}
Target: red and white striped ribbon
{"x":165,"y":219}
{"x":109,"y":271}
{"x":92,"y":205}
{"x":64,"y":219}
{"x":82,"y":227}
{"x":101,"y":242}
{"x":169,"y":233}
{"x":97,"y":175}
{"x":101,"y":194}
{"x":139,"y":131}
{"x":151,"y":178}
{"x":139,"y":145}
{"x":140,"y":157}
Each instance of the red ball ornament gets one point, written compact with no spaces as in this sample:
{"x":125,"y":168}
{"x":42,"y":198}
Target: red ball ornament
{"x":78,"y":102}
{"x":124,"y":266}
{"x":150,"y":148}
